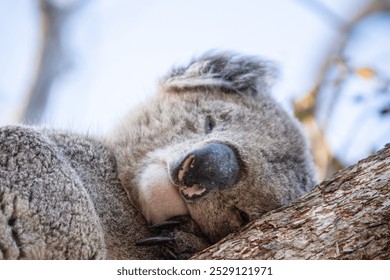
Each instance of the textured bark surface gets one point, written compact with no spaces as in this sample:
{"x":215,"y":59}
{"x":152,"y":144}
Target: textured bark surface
{"x":345,"y":217}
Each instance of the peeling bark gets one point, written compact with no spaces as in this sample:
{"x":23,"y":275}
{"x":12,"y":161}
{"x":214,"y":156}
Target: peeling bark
{"x":345,"y":217}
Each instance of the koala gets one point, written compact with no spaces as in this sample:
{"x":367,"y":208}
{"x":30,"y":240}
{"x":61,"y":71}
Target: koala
{"x":210,"y":152}
{"x":213,"y":146}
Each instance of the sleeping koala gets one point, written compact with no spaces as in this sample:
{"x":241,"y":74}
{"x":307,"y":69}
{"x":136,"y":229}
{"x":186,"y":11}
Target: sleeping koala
{"x":206,"y":155}
{"x":212,"y":145}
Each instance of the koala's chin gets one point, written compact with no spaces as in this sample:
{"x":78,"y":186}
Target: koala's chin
{"x":159,"y":199}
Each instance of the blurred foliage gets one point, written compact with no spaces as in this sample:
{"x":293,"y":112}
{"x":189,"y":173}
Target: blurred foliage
{"x":305,"y":110}
{"x":333,"y":87}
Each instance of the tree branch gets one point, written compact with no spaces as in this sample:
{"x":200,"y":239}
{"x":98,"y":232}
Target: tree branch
{"x":346,"y":217}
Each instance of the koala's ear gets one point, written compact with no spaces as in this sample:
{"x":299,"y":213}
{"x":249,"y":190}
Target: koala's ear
{"x":223,"y":71}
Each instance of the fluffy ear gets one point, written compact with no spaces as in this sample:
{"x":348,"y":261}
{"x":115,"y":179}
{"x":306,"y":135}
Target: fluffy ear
{"x":224,"y":71}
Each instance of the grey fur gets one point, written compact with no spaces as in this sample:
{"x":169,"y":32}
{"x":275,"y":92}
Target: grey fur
{"x":60,"y":198}
{"x":65,"y":196}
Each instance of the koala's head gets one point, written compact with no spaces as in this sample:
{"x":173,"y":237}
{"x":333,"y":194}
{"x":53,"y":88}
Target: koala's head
{"x":213,"y":145}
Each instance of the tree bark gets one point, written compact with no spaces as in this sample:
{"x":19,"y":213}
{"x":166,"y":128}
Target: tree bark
{"x":345,"y":217}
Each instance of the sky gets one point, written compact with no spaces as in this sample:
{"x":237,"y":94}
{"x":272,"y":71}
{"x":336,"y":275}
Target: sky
{"x":120,"y":48}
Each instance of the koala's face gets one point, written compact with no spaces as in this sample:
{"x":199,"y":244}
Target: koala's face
{"x":221,"y":158}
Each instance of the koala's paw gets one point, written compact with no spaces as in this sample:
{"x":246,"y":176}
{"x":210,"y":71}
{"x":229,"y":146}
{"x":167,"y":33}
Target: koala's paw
{"x":178,"y":238}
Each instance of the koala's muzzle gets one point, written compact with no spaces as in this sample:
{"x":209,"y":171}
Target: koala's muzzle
{"x":202,"y":170}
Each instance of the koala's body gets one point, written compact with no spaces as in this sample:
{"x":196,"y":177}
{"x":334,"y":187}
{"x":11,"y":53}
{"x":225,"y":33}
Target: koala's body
{"x":209,"y":153}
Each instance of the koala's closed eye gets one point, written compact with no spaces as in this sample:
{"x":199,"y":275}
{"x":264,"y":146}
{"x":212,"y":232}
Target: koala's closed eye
{"x":209,"y":124}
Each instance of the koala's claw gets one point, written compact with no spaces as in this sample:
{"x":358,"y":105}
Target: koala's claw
{"x":163,"y":230}
{"x":165,"y":225}
{"x":152,"y":241}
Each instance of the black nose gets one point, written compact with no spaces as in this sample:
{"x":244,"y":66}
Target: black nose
{"x":201,"y":170}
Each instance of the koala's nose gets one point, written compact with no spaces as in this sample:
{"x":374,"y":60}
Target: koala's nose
{"x":202,"y":170}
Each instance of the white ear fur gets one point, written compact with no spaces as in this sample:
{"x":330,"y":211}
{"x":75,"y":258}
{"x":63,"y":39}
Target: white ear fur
{"x":224,"y":71}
